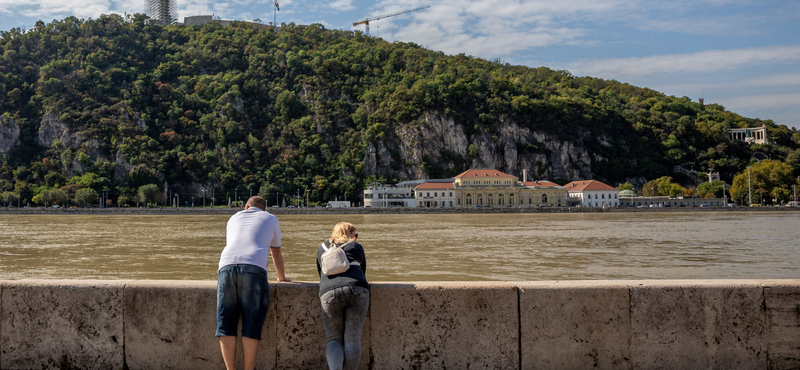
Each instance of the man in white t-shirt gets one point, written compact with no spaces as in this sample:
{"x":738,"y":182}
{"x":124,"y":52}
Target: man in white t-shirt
{"x":242,"y":285}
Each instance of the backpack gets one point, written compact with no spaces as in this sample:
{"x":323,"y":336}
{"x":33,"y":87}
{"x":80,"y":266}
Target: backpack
{"x":333,"y":260}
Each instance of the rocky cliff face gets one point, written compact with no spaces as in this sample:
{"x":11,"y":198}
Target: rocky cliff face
{"x":52,"y":129}
{"x":9,"y":135}
{"x":440,"y":141}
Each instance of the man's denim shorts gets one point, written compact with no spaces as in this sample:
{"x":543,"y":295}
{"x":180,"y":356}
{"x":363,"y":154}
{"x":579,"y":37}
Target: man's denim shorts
{"x":242,"y":290}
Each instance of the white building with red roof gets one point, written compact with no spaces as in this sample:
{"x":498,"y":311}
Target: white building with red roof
{"x":435,"y":195}
{"x":593,"y":193}
{"x":490,"y":188}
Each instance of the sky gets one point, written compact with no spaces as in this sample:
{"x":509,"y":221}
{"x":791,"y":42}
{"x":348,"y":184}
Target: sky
{"x":742,"y":54}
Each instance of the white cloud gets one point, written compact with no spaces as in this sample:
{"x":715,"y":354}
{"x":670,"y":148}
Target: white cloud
{"x":500,"y":28}
{"x":773,"y":81}
{"x":45,"y":9}
{"x":489,"y":28}
{"x":782,"y":108}
{"x":700,"y":62}
{"x":720,"y":26}
{"x":341,"y":5}
{"x":762,"y":102}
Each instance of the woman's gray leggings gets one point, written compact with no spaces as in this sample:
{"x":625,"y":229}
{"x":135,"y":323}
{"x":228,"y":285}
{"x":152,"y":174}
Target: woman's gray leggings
{"x":344,"y":310}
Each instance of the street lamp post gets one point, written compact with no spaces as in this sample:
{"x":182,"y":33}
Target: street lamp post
{"x":236,"y":195}
{"x":794,"y":187}
{"x":724,"y":196}
{"x":749,"y":190}
{"x":653,"y":198}
{"x":204,"y":198}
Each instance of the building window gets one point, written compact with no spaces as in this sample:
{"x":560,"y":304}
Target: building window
{"x":500,"y":200}
{"x":469,"y":199}
{"x":451,"y":194}
{"x":428,"y":194}
{"x":435,"y":203}
{"x":435,"y":194}
{"x":603,"y":196}
{"x":451,"y":203}
{"x":544,"y":198}
{"x":530,"y":200}
{"x":490,"y":200}
{"x":588,"y":196}
{"x":480,"y":199}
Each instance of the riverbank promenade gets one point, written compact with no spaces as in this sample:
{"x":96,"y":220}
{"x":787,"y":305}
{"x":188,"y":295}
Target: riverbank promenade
{"x":604,"y":324}
{"x":377,"y":210}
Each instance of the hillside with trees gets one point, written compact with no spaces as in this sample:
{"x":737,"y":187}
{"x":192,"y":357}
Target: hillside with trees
{"x":113,"y":104}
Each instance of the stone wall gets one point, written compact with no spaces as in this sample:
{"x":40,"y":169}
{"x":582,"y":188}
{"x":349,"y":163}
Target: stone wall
{"x":683,"y":324}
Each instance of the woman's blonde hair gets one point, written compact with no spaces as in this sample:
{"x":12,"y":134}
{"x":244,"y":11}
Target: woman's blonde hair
{"x":342,"y":233}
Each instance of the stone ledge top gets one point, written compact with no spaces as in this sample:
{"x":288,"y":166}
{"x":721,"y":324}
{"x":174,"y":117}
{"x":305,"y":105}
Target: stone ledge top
{"x":77,"y":283}
{"x":455,"y":285}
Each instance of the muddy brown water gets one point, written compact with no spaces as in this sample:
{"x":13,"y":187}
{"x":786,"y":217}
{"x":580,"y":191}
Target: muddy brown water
{"x":428,"y":247}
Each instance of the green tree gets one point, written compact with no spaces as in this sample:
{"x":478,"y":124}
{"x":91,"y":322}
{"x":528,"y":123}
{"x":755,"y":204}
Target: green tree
{"x":626,"y":186}
{"x":85,"y":196}
{"x":765,"y":177}
{"x":675,"y":190}
{"x":711,"y":189}
{"x":123,"y":200}
{"x":44,"y":196}
{"x":150,"y":194}
{"x":661,"y":186}
{"x":9,"y":198}
{"x":781,"y":194}
{"x":60,"y":197}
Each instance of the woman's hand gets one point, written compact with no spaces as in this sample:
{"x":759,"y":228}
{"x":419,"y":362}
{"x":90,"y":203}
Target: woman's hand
{"x":284,"y":280}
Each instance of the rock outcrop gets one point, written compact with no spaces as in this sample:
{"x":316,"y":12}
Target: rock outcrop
{"x":52,"y":129}
{"x":122,"y":168}
{"x":440,"y":141}
{"x":9,"y":135}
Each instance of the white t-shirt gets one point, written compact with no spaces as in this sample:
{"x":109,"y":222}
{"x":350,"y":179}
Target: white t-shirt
{"x":250,"y":234}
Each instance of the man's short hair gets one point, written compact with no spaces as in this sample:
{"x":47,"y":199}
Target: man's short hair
{"x":257,"y":201}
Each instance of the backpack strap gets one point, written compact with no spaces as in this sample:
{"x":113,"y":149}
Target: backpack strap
{"x":334,"y":245}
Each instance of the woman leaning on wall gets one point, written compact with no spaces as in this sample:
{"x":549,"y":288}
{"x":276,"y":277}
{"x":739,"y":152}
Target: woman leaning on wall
{"x":344,"y":295}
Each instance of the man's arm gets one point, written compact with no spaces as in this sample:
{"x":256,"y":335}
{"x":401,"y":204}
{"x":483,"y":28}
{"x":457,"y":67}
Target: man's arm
{"x":277,"y":259}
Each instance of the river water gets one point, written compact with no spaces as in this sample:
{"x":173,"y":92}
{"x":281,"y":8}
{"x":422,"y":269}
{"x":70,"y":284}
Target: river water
{"x":430,"y":247}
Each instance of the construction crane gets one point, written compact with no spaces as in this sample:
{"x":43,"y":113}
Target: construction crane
{"x":367,"y":20}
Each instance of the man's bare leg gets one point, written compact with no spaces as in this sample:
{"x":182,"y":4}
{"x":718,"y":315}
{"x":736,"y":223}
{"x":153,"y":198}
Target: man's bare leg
{"x":228,"y":345}
{"x":249,"y":347}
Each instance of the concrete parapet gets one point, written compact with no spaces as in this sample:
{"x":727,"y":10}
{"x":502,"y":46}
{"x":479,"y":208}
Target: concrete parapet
{"x":445,"y":325}
{"x":171,"y":325}
{"x":302,"y":339}
{"x":714,"y":324}
{"x":574,"y":325}
{"x":52,"y":324}
{"x":782,"y":303}
{"x":2,"y":347}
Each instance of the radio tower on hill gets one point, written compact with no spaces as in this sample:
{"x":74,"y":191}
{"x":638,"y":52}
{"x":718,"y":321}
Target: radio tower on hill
{"x":163,"y":12}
